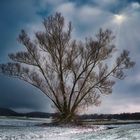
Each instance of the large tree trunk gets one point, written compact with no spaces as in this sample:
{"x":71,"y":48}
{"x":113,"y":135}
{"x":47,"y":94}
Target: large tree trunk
{"x":66,"y":117}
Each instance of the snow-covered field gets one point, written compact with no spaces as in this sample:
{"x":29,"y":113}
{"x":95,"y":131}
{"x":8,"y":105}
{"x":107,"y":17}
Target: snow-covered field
{"x":15,"y":129}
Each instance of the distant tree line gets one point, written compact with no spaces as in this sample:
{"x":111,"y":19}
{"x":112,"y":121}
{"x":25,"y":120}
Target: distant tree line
{"x":122,"y":116}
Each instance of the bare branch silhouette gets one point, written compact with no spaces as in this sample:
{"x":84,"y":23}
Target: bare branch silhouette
{"x":72,"y":74}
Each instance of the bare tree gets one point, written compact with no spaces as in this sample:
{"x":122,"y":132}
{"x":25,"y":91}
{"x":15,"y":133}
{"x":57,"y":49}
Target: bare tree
{"x":72,"y":74}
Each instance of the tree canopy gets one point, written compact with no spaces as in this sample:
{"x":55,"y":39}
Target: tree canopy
{"x":72,"y":74}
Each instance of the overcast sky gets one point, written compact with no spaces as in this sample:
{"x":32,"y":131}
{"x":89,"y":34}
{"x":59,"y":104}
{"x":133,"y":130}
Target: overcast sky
{"x":87,"y":16}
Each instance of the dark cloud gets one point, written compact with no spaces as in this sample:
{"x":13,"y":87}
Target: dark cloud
{"x":17,"y":94}
{"x":13,"y":16}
